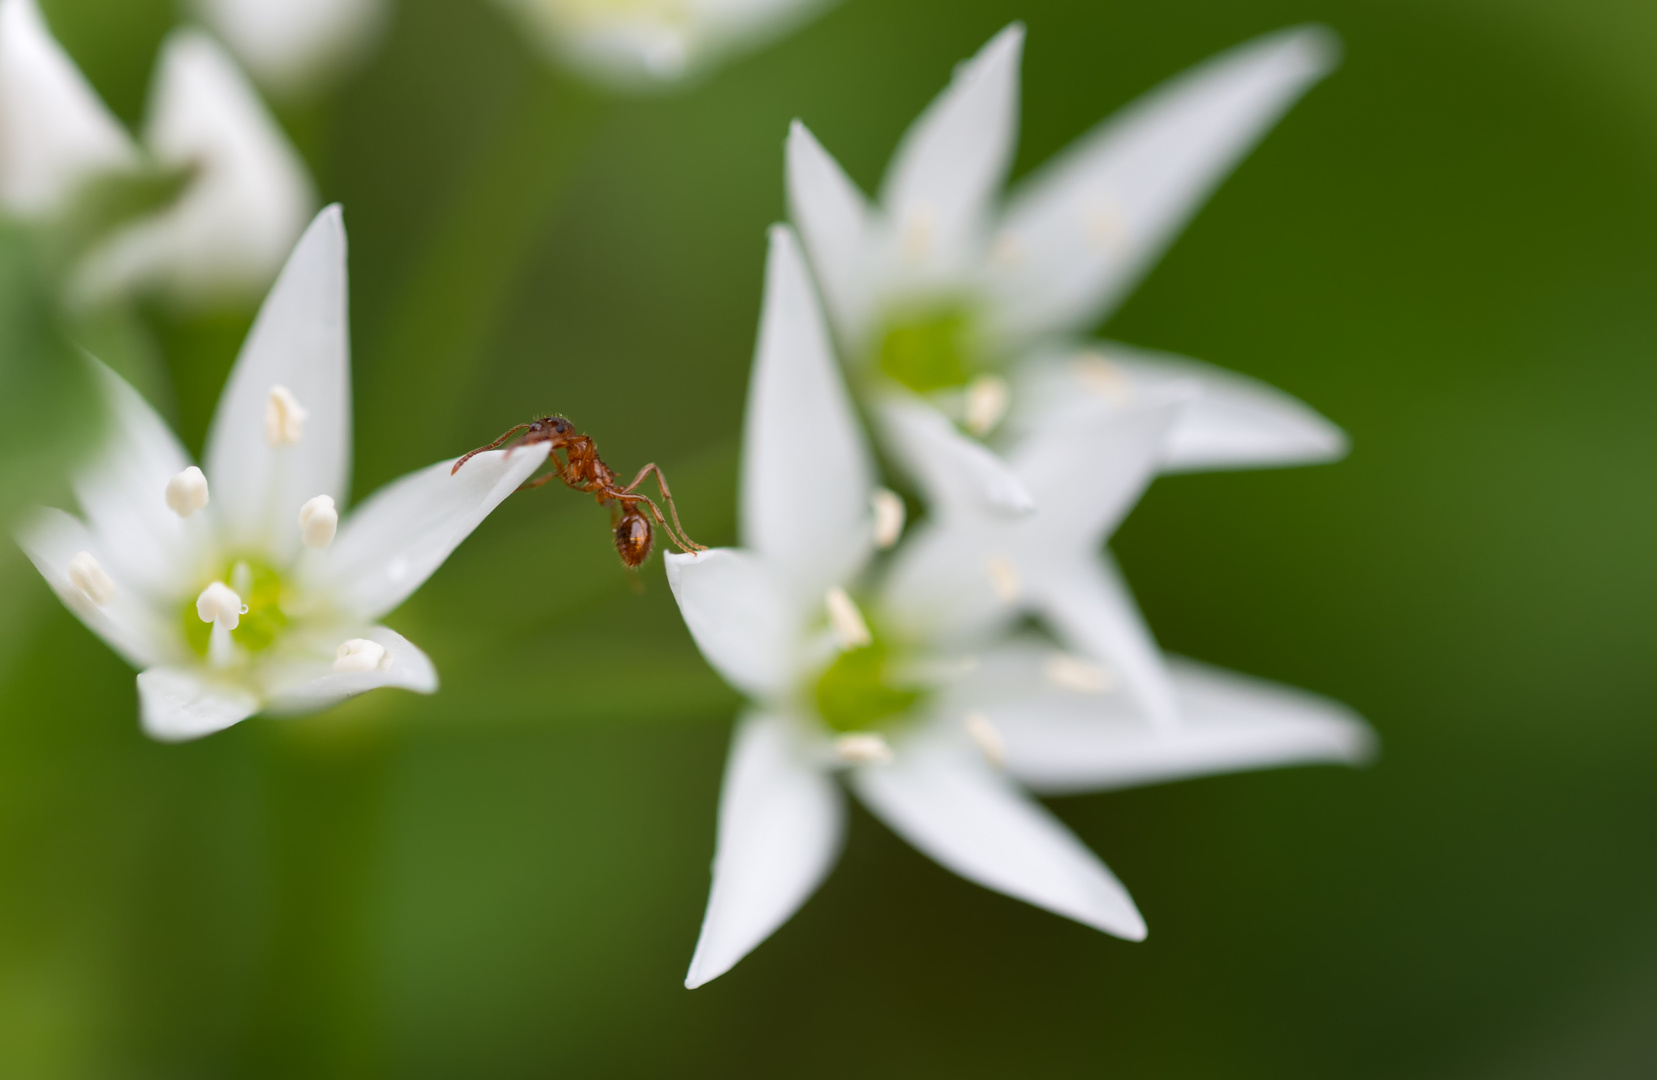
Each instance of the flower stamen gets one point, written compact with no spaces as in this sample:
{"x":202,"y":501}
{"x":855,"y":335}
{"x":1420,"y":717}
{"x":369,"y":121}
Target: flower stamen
{"x":87,"y":575}
{"x":889,"y":516}
{"x":220,"y":605}
{"x":988,"y":739}
{"x":987,"y":399}
{"x":359,"y":654}
{"x":862,"y":748}
{"x":187,"y":491}
{"x":1003,"y":577}
{"x":850,"y":631}
{"x":284,"y":417}
{"x":1077,"y":675}
{"x":318,"y":521}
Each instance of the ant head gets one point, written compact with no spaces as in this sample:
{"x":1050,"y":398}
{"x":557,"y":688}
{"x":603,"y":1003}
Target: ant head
{"x":558,"y":424}
{"x":633,"y":537}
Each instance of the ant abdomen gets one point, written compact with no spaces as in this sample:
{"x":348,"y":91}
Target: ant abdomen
{"x":633,"y":538}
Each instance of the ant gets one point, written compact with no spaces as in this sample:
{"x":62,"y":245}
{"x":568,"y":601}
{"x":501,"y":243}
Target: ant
{"x":583,"y":470}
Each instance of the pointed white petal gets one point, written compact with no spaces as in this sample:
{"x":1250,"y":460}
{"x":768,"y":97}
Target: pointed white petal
{"x":806,"y":473}
{"x":950,"y":467}
{"x":1094,"y":220}
{"x":1058,"y":742}
{"x":179,"y":703}
{"x":292,"y":44}
{"x":129,"y":623}
{"x":401,"y":534}
{"x":54,"y":130}
{"x":227,"y":235}
{"x":833,"y":219}
{"x":953,"y":582}
{"x":953,"y":807}
{"x":299,"y":342}
{"x":1088,"y":465}
{"x":746,"y":622}
{"x":954,"y":158}
{"x":780,"y":826}
{"x":123,"y":492}
{"x":1090,"y":609}
{"x":299,"y":686}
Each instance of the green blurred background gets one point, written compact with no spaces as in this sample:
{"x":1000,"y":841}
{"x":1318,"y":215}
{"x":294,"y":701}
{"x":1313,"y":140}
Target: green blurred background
{"x":1450,"y":248}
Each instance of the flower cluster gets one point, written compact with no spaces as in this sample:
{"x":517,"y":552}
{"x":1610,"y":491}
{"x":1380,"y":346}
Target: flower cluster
{"x":996,"y":649}
{"x":238,"y":586}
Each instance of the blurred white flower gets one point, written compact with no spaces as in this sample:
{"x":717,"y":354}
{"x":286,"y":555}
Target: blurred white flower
{"x":228,"y":585}
{"x":944,"y":291}
{"x":928,"y":725}
{"x":637,"y":43}
{"x":246,"y":199}
{"x":292,"y":47}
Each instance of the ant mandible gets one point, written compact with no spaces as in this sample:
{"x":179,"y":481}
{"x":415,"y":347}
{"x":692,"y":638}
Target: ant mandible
{"x":583,"y":470}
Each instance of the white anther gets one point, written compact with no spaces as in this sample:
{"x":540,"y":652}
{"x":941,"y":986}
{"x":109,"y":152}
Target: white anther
{"x":318,"y":521}
{"x":889,"y":515}
{"x":918,"y":225}
{"x":988,"y":739}
{"x":862,"y":748}
{"x":1102,"y":377}
{"x":1103,"y":225}
{"x":987,"y":399}
{"x":850,"y":631}
{"x":187,"y":492}
{"x":1077,"y":675}
{"x":359,"y":654}
{"x":219,"y":604}
{"x":284,"y":417}
{"x":1003,"y":578}
{"x":1007,"y":251}
{"x":86,"y":575}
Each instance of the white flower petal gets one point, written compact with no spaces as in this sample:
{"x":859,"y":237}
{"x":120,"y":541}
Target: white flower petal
{"x":290,"y":45}
{"x":780,"y":827}
{"x":950,"y":804}
{"x":402,"y":533}
{"x":954,"y":158}
{"x":129,"y":623}
{"x":1091,"y":610}
{"x":124,"y":494}
{"x":299,"y":341}
{"x":300,"y":686}
{"x":833,"y":219}
{"x":942,"y":585}
{"x":178,"y":703}
{"x":55,"y":132}
{"x":225,"y":238}
{"x":745,"y":621}
{"x":1229,"y":723}
{"x":1092,"y":221}
{"x":950,"y":467}
{"x":806,"y":473}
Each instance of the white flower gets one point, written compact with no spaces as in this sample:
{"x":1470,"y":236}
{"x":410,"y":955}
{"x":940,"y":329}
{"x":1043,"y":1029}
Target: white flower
{"x":944,"y":291}
{"x":930,"y":738}
{"x":632,"y":43}
{"x":225,"y":236}
{"x":294,"y":46}
{"x":247,"y":601}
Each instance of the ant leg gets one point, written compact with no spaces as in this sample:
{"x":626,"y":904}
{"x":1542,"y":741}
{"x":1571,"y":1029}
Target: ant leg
{"x":470,"y":454}
{"x":667,"y":496}
{"x":631,"y":498}
{"x":531,"y":485}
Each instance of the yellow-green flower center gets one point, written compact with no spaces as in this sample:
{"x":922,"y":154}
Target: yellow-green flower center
{"x":930,"y":350}
{"x":858,"y":692}
{"x":263,"y":592}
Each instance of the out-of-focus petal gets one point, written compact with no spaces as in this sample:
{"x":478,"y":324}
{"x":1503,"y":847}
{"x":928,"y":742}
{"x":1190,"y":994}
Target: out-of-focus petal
{"x":972,"y":820}
{"x":1231,"y":422}
{"x":176,"y":704}
{"x":745,"y":621}
{"x":225,"y":238}
{"x":1090,"y":609}
{"x":951,"y":468}
{"x":130,"y":624}
{"x":780,"y":826}
{"x":299,"y":686}
{"x":1062,"y":742}
{"x":292,"y":45}
{"x":401,"y":534}
{"x":806,"y":473}
{"x":1088,"y":225}
{"x":833,"y":219}
{"x":953,"y":160}
{"x":300,"y":343}
{"x":943,"y":585}
{"x":123,"y":492}
{"x":55,"y":132}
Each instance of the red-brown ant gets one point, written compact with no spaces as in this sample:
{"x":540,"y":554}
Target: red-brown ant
{"x":583,"y":470}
